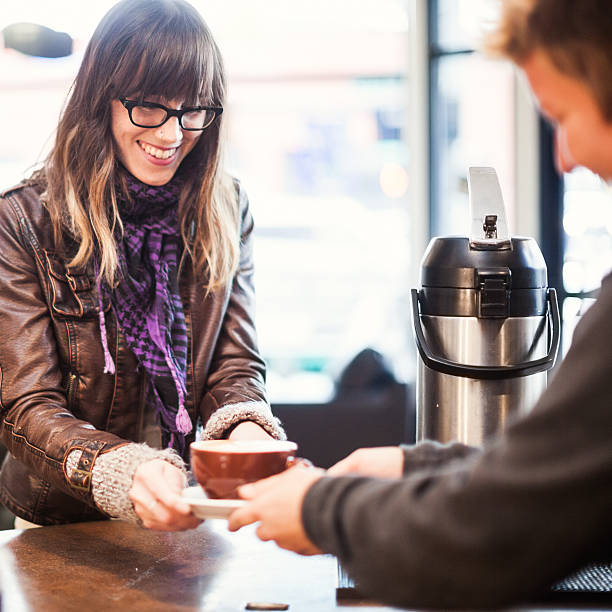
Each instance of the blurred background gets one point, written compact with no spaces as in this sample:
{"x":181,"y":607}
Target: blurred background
{"x":351,"y":124}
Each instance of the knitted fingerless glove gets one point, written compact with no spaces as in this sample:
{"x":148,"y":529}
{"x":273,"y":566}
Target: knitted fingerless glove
{"x":231,"y":414}
{"x":113,"y":474}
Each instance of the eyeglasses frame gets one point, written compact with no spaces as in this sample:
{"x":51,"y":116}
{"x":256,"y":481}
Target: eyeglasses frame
{"x":170,"y":112}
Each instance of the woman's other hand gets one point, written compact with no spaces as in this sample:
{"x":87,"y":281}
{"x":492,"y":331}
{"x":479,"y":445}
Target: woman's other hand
{"x":249,"y":430}
{"x":381,"y":462}
{"x":276,"y":503}
{"x":156,"y":495}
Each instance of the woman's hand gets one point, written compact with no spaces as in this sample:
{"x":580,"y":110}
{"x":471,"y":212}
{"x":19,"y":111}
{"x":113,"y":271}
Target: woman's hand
{"x":276,"y":502}
{"x":156,"y":495}
{"x":249,"y":430}
{"x":381,"y":462}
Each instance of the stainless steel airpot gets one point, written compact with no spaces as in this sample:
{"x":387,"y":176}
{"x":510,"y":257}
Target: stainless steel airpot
{"x":485,"y":322}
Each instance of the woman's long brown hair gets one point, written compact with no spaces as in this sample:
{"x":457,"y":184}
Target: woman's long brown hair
{"x":142,"y":48}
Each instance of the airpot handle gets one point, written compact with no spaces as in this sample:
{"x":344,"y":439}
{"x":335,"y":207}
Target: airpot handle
{"x":446,"y":366}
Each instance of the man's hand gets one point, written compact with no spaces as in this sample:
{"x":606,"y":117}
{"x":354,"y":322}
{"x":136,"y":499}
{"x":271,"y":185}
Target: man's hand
{"x":381,"y":462}
{"x":276,"y":502}
{"x":156,"y":495}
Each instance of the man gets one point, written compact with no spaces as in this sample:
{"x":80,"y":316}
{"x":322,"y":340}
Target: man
{"x":450,"y":526}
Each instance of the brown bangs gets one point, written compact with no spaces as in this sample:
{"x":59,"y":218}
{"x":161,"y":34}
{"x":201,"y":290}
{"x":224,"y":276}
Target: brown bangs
{"x":168,"y":52}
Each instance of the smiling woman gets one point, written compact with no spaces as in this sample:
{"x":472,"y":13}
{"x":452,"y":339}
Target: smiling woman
{"x":126,"y":282}
{"x":153,"y":123}
{"x":151,"y":154}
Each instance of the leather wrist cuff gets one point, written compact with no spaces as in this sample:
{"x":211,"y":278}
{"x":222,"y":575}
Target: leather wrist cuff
{"x":80,"y":478}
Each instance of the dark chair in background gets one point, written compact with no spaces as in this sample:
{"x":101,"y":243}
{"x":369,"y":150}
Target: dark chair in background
{"x":370,"y":408}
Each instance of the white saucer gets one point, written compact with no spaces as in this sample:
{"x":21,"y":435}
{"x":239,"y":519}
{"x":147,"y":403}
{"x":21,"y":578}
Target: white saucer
{"x":204,"y":507}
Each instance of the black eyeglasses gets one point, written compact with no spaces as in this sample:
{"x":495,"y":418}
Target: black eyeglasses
{"x":151,"y":114}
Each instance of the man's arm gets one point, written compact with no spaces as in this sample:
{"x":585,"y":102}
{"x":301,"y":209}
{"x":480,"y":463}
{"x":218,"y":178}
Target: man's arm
{"x":493,"y":528}
{"x":485,"y":531}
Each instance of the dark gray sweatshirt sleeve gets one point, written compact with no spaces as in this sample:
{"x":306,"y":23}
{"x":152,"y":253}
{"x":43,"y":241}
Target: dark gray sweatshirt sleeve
{"x":496,"y":527}
{"x":430,"y":455}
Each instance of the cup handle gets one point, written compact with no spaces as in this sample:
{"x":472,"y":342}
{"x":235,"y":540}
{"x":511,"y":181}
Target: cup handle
{"x":298,"y":462}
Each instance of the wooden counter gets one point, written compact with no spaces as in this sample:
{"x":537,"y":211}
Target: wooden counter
{"x":115,"y":566}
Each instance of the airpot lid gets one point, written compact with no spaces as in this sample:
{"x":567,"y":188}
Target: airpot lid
{"x":449,"y":261}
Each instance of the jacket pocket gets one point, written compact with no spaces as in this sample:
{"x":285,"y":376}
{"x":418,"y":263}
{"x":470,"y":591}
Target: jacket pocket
{"x":71,"y":294}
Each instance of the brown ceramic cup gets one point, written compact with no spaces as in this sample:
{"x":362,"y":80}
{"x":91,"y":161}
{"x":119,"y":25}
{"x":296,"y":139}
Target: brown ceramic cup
{"x":221,"y":466}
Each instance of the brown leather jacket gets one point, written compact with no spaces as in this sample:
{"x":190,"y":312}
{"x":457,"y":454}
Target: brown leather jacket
{"x":54,"y":395}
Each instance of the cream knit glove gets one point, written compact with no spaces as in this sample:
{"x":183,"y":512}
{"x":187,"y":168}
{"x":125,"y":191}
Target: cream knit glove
{"x":231,"y":414}
{"x":113,"y":473}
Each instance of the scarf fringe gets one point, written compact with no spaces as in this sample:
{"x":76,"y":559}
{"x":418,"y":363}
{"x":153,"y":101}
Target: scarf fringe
{"x":182,"y":420}
{"x":109,"y":364}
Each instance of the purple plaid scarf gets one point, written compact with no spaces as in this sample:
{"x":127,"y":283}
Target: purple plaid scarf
{"x":147,"y":303}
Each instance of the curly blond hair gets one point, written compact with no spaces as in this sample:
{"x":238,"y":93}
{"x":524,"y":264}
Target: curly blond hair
{"x":575,"y":34}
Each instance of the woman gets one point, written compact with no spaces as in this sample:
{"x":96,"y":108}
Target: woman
{"x":125,"y":284}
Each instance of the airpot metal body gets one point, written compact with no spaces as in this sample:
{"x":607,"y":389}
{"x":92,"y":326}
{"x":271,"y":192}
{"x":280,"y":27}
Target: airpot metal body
{"x":486,"y":324}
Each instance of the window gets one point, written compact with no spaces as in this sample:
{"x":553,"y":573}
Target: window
{"x":587,"y":222}
{"x":472,"y":112}
{"x":576,"y":234}
{"x":317,"y":105}
{"x":317,"y":112}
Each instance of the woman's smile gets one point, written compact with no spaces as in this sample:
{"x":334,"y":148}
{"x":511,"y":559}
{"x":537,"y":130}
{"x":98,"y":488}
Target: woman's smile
{"x":152,"y":155}
{"x":159,"y":154}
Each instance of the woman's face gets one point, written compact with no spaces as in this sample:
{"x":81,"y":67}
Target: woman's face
{"x":152,"y":155}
